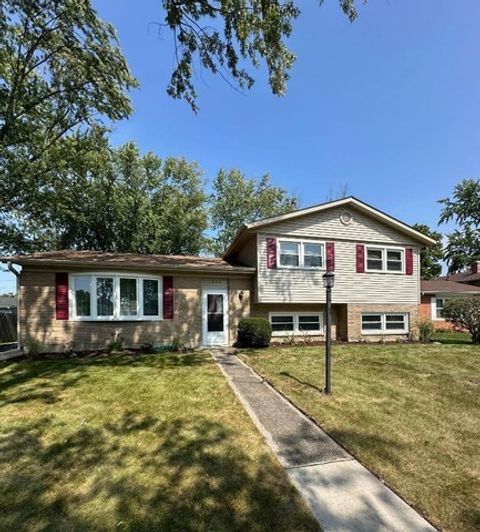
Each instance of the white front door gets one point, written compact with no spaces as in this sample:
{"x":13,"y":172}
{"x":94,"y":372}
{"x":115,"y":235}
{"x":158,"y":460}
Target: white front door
{"x":215,"y":314}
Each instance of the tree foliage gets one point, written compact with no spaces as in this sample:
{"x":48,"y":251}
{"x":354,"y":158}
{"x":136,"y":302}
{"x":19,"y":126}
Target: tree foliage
{"x":225,"y":34}
{"x":237,"y":199}
{"x":118,"y":200}
{"x":463,"y":208}
{"x":430,"y":257}
{"x":61,"y":73}
{"x":465,"y":313}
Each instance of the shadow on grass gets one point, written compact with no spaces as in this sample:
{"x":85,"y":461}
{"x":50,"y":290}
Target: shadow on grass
{"x":299,"y":381}
{"x":46,"y":380}
{"x":192,"y":476}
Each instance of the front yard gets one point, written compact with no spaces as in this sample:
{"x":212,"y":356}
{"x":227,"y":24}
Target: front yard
{"x":135,"y":443}
{"x":410,"y":413}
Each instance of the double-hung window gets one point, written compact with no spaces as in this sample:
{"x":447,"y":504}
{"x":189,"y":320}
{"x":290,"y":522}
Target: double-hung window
{"x":382,"y":259}
{"x":299,"y":254}
{"x":115,"y":297}
{"x":439,"y":307}
{"x":296,"y":323}
{"x":384,"y":323}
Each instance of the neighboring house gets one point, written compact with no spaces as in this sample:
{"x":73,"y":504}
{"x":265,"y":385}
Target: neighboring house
{"x":8,"y":303}
{"x":273,"y":268}
{"x":437,"y":291}
{"x":472,"y":277}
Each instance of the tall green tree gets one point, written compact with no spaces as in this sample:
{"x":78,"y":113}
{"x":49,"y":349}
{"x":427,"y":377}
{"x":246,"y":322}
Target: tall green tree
{"x":121,"y":201}
{"x":224,"y":35}
{"x":237,"y":199}
{"x":61,"y":73}
{"x":463,"y":208}
{"x":430,"y":257}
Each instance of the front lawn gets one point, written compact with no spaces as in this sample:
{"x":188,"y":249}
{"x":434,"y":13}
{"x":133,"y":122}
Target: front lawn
{"x":154,"y":442}
{"x":410,"y":413}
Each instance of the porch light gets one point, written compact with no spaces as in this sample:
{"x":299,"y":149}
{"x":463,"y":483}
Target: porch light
{"x":328,"y":280}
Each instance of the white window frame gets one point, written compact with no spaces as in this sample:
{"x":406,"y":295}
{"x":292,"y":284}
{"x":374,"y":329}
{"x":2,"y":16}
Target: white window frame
{"x":296,"y":329}
{"x":385,"y":250}
{"x":116,"y":297}
{"x":383,"y":317}
{"x":434,"y":307}
{"x":301,"y":257}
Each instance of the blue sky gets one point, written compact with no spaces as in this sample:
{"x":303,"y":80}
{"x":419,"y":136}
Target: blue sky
{"x":388,"y":105}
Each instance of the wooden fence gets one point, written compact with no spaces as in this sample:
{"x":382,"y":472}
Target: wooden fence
{"x":8,"y":327}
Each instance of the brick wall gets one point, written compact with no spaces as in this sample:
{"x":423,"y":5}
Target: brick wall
{"x":37,"y":315}
{"x":354,"y":321}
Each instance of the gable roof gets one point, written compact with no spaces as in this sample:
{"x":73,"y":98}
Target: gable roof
{"x":350,"y":201}
{"x":445,"y":286}
{"x":127,"y":261}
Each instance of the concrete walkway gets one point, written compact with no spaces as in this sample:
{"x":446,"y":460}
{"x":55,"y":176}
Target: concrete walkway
{"x":342,"y":494}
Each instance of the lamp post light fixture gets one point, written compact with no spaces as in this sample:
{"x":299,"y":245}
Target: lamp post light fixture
{"x":328,"y":282}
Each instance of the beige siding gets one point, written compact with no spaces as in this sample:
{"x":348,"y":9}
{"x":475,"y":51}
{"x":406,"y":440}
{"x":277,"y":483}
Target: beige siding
{"x":37,"y":315}
{"x":284,"y":285}
{"x":327,"y":225}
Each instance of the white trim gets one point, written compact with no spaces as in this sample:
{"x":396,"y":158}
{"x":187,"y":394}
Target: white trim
{"x":385,"y":250}
{"x":383,"y":319}
{"x":301,"y":256}
{"x":296,"y":329}
{"x":116,"y":276}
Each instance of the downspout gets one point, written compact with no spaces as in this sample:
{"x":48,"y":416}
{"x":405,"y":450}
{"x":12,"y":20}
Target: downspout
{"x":17,"y":275}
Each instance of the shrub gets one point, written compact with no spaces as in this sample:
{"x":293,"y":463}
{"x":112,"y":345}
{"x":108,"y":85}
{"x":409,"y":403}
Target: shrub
{"x":254,"y":332}
{"x":425,"y":330}
{"x":116,"y":343}
{"x":179,"y":345}
{"x":465,"y":313}
{"x":32,"y":347}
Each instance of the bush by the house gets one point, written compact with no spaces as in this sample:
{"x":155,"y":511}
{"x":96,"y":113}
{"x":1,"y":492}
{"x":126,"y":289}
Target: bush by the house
{"x":179,"y":345}
{"x":116,"y":344}
{"x":254,"y":332}
{"x":465,"y":313}
{"x":425,"y":330}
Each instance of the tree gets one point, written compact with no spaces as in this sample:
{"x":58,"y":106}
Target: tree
{"x":430,"y":257}
{"x":464,"y":313}
{"x":463,"y":246}
{"x":237,"y":199}
{"x":224,"y":34}
{"x":118,"y":200}
{"x":61,"y":72}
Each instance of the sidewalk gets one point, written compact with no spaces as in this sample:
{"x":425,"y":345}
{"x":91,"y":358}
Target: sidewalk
{"x":342,"y":494}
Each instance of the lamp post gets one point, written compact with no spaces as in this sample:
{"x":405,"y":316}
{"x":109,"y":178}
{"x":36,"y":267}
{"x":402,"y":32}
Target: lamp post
{"x":328,"y":282}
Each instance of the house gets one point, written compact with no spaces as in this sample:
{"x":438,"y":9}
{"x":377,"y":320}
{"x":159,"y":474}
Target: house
{"x":437,"y":291}
{"x":8,"y":303}
{"x":273,"y":268}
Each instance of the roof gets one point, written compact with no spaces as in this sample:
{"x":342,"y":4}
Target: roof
{"x":350,"y":201}
{"x":466,"y":277}
{"x":8,"y":301}
{"x":128,"y":261}
{"x":444,"y":286}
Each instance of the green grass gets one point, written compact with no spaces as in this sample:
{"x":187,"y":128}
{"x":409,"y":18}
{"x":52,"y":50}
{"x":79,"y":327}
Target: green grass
{"x":135,"y":443}
{"x":410,"y":413}
{"x":451,"y":337}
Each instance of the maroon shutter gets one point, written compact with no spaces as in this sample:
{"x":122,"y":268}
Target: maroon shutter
{"x":409,"y":261}
{"x":360,"y":258}
{"x":330,"y":257}
{"x":168,"y":298}
{"x":271,"y":252}
{"x":61,"y":296}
